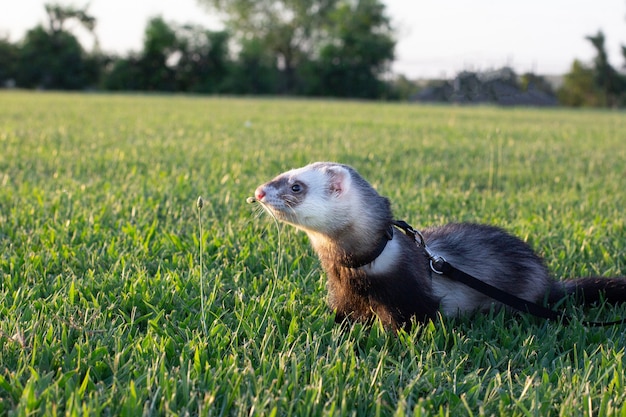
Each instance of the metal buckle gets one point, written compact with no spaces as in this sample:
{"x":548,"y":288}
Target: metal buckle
{"x":433,"y":262}
{"x":433,"y":258}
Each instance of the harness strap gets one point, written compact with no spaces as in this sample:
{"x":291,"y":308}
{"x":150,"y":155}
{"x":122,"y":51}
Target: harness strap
{"x":371,"y":257}
{"x":440,"y":266}
{"x":500,"y":295}
{"x":511,"y":300}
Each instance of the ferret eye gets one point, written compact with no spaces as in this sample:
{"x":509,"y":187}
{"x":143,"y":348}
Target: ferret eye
{"x":296,"y":188}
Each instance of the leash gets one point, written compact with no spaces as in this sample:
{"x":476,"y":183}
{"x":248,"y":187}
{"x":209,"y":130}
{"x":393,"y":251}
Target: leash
{"x":440,"y":266}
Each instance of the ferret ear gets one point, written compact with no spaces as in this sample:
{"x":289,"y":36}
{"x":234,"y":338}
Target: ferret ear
{"x":339,"y":179}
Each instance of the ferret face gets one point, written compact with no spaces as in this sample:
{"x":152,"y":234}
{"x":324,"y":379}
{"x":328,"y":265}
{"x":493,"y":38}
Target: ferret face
{"x":314,"y":198}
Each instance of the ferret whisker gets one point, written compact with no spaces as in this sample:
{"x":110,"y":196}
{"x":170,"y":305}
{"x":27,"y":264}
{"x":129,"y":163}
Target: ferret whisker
{"x":292,"y":211}
{"x":261,"y":207}
{"x":264,"y":208}
{"x":259,"y":211}
{"x":290,"y":201}
{"x":279,"y":259}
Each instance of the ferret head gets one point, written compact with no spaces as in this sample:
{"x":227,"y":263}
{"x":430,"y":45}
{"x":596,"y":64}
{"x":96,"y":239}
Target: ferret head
{"x":324,"y":197}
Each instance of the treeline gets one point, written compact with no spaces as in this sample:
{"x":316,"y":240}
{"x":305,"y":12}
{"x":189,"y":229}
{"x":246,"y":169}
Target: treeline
{"x":331,"y":48}
{"x":595,"y":85}
{"x":336,"y":48}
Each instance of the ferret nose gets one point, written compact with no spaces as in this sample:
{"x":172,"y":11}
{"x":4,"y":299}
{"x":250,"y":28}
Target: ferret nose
{"x":259,"y":193}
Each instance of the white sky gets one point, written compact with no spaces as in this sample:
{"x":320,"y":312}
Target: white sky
{"x":435,"y":37}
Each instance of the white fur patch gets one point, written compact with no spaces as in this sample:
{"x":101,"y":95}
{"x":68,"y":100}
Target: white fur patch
{"x":455,"y":298}
{"x":386,"y":260}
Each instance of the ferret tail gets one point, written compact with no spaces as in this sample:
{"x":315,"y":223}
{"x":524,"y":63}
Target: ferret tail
{"x":590,"y":290}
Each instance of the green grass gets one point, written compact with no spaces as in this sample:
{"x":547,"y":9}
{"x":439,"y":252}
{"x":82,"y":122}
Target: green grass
{"x":100,"y":308}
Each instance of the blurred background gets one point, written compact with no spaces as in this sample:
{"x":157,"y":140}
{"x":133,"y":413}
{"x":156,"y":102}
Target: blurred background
{"x":536,"y":52}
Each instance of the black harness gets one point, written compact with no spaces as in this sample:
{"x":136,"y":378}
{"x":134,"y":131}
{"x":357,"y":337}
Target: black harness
{"x":442,"y":267}
{"x":371,"y":257}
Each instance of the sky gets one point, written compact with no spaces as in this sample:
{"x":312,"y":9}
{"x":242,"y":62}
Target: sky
{"x":435,"y":38}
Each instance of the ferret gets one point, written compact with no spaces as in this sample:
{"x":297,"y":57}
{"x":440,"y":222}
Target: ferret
{"x":376,"y":271}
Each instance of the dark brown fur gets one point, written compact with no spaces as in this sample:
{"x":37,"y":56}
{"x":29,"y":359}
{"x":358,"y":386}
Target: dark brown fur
{"x":396,"y":300}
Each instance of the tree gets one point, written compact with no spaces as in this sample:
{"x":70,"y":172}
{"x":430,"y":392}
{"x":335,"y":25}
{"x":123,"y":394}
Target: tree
{"x":255,"y":71}
{"x":606,"y":78}
{"x":288,"y":29}
{"x":59,"y":15}
{"x":359,"y":51}
{"x":152,"y":69}
{"x":531,"y":81}
{"x":318,"y":47}
{"x":52,"y":57}
{"x":596,"y":85}
{"x":159,"y":45}
{"x":404,"y":88}
{"x":174,"y":58}
{"x":203,"y":59}
{"x":9,"y":54}
{"x":579,"y":89}
{"x":51,"y":61}
{"x":125,"y":74}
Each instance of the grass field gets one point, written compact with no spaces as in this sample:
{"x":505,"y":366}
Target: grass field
{"x":100,"y":299}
